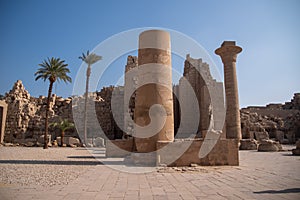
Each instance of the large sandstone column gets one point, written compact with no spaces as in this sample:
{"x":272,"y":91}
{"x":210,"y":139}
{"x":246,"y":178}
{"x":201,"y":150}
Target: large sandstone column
{"x":154,"y":48}
{"x":228,"y":52}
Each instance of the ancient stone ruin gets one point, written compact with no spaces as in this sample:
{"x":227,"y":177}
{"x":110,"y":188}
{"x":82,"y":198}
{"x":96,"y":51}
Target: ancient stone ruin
{"x":3,"y":113}
{"x":270,"y":125}
{"x":26,"y":114}
{"x":154,"y":62}
{"x":206,"y":129}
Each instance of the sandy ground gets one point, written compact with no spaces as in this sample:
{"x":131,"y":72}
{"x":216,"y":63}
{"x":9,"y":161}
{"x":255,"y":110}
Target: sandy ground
{"x":36,"y":166}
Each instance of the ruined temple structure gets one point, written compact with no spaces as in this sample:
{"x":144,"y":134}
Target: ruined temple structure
{"x":154,"y":62}
{"x":219,"y":123}
{"x":198,"y":75}
{"x":280,"y":122}
{"x":25,"y":115}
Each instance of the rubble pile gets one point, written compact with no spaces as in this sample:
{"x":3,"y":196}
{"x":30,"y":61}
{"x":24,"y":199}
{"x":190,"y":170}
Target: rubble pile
{"x":278,"y":122}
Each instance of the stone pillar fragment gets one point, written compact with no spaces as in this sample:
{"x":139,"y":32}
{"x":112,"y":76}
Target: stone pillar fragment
{"x":3,"y":113}
{"x":130,"y":82}
{"x":154,"y":51}
{"x":228,"y":53}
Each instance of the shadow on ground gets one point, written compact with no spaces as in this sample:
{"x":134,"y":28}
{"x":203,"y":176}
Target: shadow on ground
{"x":290,"y":190}
{"x":58,"y":162}
{"x":86,"y":157}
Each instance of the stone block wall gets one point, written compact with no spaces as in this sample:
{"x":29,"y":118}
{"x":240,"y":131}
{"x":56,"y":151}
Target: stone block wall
{"x":119,"y":148}
{"x":26,"y":115}
{"x":209,"y":94}
{"x":277,"y":121}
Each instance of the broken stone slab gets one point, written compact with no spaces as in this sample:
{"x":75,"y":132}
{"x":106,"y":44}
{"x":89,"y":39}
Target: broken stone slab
{"x":29,"y":144}
{"x":68,"y":141}
{"x":261,"y":135}
{"x":298,"y":144}
{"x":8,"y":144}
{"x":248,"y":144}
{"x":296,"y":152}
{"x":269,"y":146}
{"x":41,"y":140}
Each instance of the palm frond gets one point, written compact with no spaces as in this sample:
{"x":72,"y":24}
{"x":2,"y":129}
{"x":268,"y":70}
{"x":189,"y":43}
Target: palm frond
{"x":63,"y":124}
{"x":54,"y":68}
{"x":90,"y":58}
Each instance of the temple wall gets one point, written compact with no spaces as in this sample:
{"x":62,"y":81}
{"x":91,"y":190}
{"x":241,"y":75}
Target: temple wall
{"x":26,"y":115}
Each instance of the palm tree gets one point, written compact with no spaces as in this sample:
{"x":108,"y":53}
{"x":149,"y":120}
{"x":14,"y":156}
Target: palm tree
{"x":63,"y":125}
{"x":53,"y":69}
{"x":89,"y":59}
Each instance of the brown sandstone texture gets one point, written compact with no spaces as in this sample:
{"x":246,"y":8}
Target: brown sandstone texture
{"x":297,"y":150}
{"x":279,"y":122}
{"x":26,"y":115}
{"x":154,"y":62}
{"x":228,"y":52}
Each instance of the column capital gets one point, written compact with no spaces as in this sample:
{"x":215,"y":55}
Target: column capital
{"x":228,"y":51}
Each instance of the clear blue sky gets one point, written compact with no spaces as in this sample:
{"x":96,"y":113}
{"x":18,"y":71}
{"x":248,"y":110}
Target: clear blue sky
{"x":268,"y":69}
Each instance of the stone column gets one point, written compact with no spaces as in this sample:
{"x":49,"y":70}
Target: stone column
{"x":154,"y":49}
{"x":3,"y":113}
{"x":228,"y":52}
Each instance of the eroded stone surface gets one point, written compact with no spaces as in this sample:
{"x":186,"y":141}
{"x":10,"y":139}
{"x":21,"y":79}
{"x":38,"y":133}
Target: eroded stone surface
{"x":276,"y":121}
{"x":248,"y":144}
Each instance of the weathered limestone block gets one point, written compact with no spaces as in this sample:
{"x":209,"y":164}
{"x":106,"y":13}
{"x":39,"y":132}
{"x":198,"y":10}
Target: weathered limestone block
{"x":3,"y":114}
{"x":119,"y":148}
{"x":269,"y":145}
{"x":298,"y":144}
{"x":297,"y":150}
{"x":41,"y":140}
{"x":248,"y":144}
{"x":68,"y":141}
{"x":225,"y":152}
{"x":279,"y":135}
{"x":281,"y":121}
{"x":261,"y":136}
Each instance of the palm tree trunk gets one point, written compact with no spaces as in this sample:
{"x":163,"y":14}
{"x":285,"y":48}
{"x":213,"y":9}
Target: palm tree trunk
{"x":62,"y":138}
{"x":46,"y":118}
{"x":88,"y":73}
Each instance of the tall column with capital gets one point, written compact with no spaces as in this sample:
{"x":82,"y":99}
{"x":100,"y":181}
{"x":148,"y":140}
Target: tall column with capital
{"x":228,"y":53}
